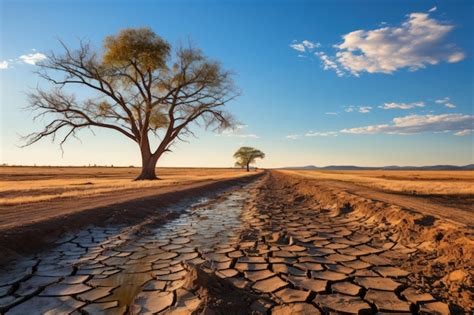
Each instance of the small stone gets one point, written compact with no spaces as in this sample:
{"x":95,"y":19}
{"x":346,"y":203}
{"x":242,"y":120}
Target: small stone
{"x":456,"y":276}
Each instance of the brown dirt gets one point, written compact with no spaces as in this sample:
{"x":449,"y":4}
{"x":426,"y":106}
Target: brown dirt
{"x":29,"y":228}
{"x":444,"y":264}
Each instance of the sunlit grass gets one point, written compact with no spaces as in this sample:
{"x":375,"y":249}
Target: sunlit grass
{"x":24,"y":185}
{"x":412,"y":182}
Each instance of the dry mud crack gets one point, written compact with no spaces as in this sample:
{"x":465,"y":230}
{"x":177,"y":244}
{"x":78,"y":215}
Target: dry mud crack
{"x":257,"y":249}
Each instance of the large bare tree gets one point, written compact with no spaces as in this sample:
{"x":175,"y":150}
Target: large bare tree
{"x":136,"y":88}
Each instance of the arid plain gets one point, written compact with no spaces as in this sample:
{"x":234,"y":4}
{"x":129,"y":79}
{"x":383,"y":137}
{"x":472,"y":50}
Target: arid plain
{"x":91,"y":240}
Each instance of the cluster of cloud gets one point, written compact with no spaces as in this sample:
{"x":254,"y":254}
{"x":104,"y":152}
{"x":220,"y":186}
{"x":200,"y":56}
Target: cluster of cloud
{"x":304,"y":46}
{"x":360,"y":109}
{"x":446,"y":102}
{"x":417,"y":42}
{"x":313,"y":134}
{"x":329,"y":63}
{"x":413,"y":124}
{"x":31,"y":59}
{"x":394,"y":105}
{"x":459,"y":124}
{"x":293,"y":137}
{"x":321,"y":134}
{"x":239,"y":131}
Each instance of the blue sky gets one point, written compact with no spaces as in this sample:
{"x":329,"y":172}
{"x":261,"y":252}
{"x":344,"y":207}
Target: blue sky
{"x":323,"y":82}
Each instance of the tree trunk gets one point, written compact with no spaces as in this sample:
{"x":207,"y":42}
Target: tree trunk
{"x":148,"y":165}
{"x":248,"y":167}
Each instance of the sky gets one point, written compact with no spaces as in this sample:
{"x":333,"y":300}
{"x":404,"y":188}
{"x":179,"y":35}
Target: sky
{"x":367,"y":83}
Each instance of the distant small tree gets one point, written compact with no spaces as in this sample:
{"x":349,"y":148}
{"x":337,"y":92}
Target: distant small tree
{"x":137,"y":88}
{"x":246,"y":156}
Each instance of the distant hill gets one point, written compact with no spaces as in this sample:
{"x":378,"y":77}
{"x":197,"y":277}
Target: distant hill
{"x":391,"y":167}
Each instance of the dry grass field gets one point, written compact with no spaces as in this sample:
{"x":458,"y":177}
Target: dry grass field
{"x":406,"y":182}
{"x":23,"y":185}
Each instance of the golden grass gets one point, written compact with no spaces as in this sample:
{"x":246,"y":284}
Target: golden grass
{"x":412,"y":182}
{"x":20,"y":185}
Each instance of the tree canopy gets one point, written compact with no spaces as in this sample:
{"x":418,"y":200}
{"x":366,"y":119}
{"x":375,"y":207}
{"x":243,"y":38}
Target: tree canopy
{"x":137,"y":87}
{"x":246,"y":156}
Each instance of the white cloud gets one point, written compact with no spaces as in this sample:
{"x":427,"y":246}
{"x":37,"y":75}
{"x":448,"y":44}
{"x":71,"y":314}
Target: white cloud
{"x":450,"y":105}
{"x":360,"y":109}
{"x":298,"y":47}
{"x":365,"y":109}
{"x":32,"y":59}
{"x":416,"y":43}
{"x":3,"y":65}
{"x":310,"y":45}
{"x":304,"y":45}
{"x":329,"y":63}
{"x":446,"y":102}
{"x":250,"y":135}
{"x":433,"y":9}
{"x":394,"y":105}
{"x":464,"y":132}
{"x":331,"y":113}
{"x":413,"y":124}
{"x":321,"y":134}
{"x":442,"y":101}
{"x":293,"y":137}
{"x":238,"y":132}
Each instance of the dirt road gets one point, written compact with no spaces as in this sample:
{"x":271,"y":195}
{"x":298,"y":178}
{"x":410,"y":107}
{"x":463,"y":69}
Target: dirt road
{"x":459,"y":209}
{"x":267,"y":247}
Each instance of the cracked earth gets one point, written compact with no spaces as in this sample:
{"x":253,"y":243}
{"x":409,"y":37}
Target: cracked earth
{"x":257,"y":249}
